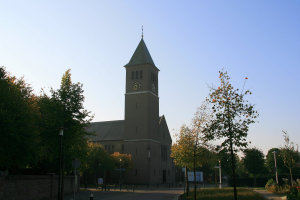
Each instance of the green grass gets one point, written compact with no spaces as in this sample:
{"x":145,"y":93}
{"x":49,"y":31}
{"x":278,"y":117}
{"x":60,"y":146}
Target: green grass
{"x":224,"y":194}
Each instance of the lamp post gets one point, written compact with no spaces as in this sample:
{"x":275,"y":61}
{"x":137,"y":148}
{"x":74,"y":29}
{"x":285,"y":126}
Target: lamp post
{"x":220,"y":174}
{"x":275,"y":166}
{"x":120,"y":173}
{"x":61,"y":132}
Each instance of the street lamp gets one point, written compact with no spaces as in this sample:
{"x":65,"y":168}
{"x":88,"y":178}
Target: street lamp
{"x":220,"y":174}
{"x":61,"y":132}
{"x":120,"y":173}
{"x":275,"y":166}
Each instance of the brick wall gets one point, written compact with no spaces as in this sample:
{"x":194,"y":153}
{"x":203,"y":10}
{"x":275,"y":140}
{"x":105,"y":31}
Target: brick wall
{"x":32,"y":187}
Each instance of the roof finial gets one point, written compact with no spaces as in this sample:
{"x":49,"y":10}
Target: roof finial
{"x":142,"y":32}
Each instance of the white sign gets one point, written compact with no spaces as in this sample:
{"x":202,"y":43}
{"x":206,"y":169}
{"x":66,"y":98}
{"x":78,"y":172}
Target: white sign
{"x":199,"y":176}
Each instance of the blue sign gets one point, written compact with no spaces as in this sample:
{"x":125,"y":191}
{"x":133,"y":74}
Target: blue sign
{"x":121,"y":169}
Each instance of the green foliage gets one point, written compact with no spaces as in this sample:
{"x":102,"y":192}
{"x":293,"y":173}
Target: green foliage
{"x":225,"y":159}
{"x":270,"y":162}
{"x":18,"y":114}
{"x":254,"y":162}
{"x":126,"y":161}
{"x":183,"y":150}
{"x":63,"y":108}
{"x":96,"y":159}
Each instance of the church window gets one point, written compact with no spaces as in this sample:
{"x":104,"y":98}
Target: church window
{"x":132,"y":75}
{"x":112,"y":148}
{"x":108,"y":148}
{"x":105,"y":147}
{"x":136,"y":172}
{"x":141,"y":74}
{"x":154,"y":78}
{"x":137,"y":75}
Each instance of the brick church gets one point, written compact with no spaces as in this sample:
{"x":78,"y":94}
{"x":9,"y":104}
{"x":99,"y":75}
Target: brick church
{"x":143,"y":133}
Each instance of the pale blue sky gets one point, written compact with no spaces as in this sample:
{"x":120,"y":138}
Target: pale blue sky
{"x":189,"y":41}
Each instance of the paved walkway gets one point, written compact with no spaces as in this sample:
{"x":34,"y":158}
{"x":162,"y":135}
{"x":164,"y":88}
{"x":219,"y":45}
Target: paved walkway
{"x":269,"y":195}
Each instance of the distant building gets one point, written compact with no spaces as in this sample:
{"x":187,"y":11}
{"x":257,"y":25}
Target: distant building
{"x":143,"y":134}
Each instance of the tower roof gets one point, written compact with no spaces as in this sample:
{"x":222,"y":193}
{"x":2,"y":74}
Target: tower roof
{"x":141,"y":55}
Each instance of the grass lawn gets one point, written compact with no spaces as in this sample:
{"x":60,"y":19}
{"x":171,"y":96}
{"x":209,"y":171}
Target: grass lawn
{"x":224,"y":194}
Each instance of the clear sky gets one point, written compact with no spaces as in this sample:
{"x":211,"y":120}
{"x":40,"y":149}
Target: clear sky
{"x":189,"y":41}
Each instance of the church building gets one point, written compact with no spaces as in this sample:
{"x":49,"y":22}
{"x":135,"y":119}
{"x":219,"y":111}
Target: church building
{"x":143,"y":133}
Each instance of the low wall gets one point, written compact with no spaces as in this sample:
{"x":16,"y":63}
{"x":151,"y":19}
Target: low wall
{"x":33,"y":187}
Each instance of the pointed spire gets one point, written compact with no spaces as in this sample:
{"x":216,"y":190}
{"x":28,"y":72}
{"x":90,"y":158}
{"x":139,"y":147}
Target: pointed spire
{"x":142,"y":32}
{"x":141,"y":55}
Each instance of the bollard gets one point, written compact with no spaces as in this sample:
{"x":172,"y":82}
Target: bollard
{"x":114,"y":186}
{"x":92,"y":196}
{"x":166,"y":185}
{"x":108,"y":187}
{"x":133,"y":188}
{"x":127,"y":187}
{"x":120,"y":187}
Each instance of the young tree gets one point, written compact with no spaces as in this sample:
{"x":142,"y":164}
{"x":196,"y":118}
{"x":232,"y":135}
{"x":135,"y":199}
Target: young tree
{"x":290,"y":154}
{"x":187,"y":152}
{"x":232,"y":116}
{"x":200,"y":153}
{"x":126,"y":161}
{"x":254,"y":162}
{"x":96,"y":159}
{"x":18,"y":119}
{"x":182,"y":150}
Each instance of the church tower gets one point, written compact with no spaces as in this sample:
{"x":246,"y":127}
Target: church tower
{"x":141,"y":131}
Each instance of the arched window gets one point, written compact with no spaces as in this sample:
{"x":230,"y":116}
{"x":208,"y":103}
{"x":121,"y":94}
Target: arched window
{"x":141,"y":74}
{"x":137,"y":75}
{"x":132,"y":75}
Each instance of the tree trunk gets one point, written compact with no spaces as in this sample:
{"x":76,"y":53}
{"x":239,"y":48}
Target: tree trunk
{"x":254,"y":177}
{"x":195,"y":185}
{"x":233,"y":169}
{"x":291,"y":176}
{"x":186,"y":182}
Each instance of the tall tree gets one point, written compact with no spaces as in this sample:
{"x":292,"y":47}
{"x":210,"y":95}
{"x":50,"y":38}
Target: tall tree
{"x":290,"y":154}
{"x":18,"y":118}
{"x":63,"y":108}
{"x":232,"y":116}
{"x":254,"y":162}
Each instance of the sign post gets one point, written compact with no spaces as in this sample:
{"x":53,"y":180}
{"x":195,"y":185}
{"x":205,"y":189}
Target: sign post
{"x":75,"y":164}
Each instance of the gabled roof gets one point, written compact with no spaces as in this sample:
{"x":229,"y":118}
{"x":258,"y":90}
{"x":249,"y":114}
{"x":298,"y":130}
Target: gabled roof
{"x":141,"y":55}
{"x":110,"y":130}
